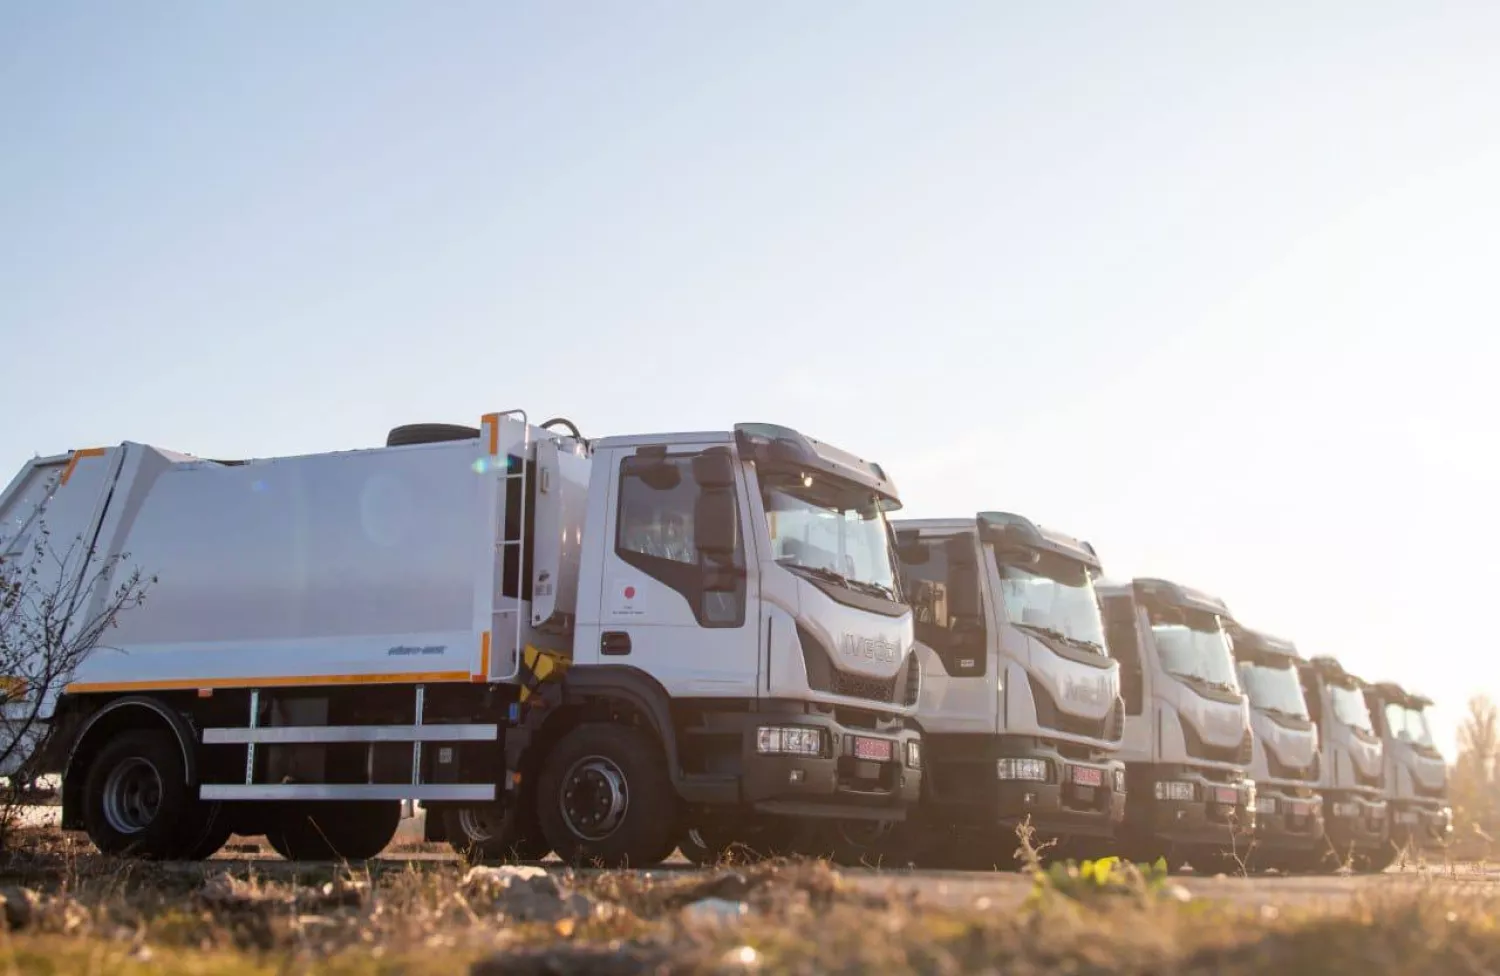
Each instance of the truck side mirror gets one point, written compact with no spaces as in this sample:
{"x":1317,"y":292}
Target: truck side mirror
{"x":714,"y":468}
{"x":716,"y":524}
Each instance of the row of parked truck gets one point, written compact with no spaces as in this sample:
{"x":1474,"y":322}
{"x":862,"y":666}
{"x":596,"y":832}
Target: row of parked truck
{"x":619,"y":648}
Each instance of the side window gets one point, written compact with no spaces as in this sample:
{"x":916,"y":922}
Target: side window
{"x":1124,"y":644}
{"x":942,"y":585}
{"x":678,"y":522}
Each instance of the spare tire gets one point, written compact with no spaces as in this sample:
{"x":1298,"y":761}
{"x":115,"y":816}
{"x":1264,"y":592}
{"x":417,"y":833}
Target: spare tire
{"x":429,"y":434}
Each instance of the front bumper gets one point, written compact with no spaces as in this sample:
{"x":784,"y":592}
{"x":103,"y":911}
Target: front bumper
{"x":837,"y":783}
{"x":1220,"y":812}
{"x":1422,"y":824}
{"x":1285,"y":821}
{"x":975,"y":782}
{"x":1356,"y":820}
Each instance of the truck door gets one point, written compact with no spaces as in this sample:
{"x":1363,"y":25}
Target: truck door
{"x":676,"y":598}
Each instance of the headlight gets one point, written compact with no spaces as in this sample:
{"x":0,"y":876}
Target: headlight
{"x":1265,"y":804}
{"x":914,"y":753}
{"x":1175,"y":790}
{"x":1346,"y":809}
{"x":1119,"y":780}
{"x":774,"y":740}
{"x":1032,"y":770}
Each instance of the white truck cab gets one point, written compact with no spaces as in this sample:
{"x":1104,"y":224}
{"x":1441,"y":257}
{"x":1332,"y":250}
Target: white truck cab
{"x":1020,"y":710}
{"x":1288,"y":808}
{"x":1416,"y":774}
{"x":1352,"y":768}
{"x":1188,"y":741}
{"x":551,"y":644}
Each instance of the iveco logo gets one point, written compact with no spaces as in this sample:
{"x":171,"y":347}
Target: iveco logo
{"x":869,"y":648}
{"x":1085,"y":692}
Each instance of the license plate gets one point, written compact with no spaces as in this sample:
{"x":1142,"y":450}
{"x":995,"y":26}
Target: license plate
{"x":1227,"y":794}
{"x":876,"y":749}
{"x":1301,"y":808}
{"x":1084,"y":776}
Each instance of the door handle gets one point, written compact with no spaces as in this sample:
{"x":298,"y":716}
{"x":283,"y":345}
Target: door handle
{"x":614,"y":642}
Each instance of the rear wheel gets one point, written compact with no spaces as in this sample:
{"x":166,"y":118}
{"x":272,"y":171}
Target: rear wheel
{"x":334,"y":830}
{"x":484,"y":833}
{"x":604,"y":797}
{"x":135,"y":796}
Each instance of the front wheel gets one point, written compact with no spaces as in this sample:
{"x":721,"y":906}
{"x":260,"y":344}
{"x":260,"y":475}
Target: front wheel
{"x":604,"y":797}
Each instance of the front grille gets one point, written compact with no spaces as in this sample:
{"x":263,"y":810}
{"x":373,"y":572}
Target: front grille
{"x":1116,"y":730}
{"x":1048,"y":715}
{"x":1238,"y":754}
{"x":1280,"y":770}
{"x":823,"y":675}
{"x":913,"y":669}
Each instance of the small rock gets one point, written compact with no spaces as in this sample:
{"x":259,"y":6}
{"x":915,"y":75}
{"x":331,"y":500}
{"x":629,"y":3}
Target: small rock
{"x":745,"y":959}
{"x":714,"y":910}
{"x":1177,"y":892}
{"x":20,"y":905}
{"x":528,"y":894}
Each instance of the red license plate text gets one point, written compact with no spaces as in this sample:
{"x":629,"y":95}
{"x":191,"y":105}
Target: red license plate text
{"x":876,"y":749}
{"x":1084,"y":776}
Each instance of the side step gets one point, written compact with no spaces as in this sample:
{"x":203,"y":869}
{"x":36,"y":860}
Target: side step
{"x":304,"y":734}
{"x":468,"y":792}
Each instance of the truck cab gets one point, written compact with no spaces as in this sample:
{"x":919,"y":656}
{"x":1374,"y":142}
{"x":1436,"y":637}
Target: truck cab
{"x":1288,"y":808}
{"x":1352,"y":768}
{"x":1020,"y":710}
{"x":1187,"y":743}
{"x":1416,"y":774}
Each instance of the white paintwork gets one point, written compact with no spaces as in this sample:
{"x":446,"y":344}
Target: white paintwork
{"x":561,"y":500}
{"x":1344,"y":750}
{"x":1001,"y":700}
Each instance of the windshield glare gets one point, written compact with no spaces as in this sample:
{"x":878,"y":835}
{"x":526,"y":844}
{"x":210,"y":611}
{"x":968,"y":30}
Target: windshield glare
{"x":1055,"y":593}
{"x":1408,"y":724}
{"x":822,"y":524}
{"x":1193,"y":644}
{"x":1274,"y":688}
{"x":1350,"y":708}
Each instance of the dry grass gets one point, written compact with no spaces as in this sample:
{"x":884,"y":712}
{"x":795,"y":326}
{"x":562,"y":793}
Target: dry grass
{"x":89,"y":914}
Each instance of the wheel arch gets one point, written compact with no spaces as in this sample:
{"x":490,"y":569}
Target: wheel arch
{"x":121,"y":715}
{"x":588,"y":690}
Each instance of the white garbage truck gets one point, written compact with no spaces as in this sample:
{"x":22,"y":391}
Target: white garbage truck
{"x":548,"y":643}
{"x":1020,"y":709}
{"x":1352,"y":769}
{"x":1188,"y":742}
{"x":1416,"y":774}
{"x":1288,"y":807}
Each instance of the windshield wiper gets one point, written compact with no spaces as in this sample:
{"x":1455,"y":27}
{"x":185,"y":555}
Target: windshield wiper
{"x":1205,"y":682}
{"x":875,"y":589}
{"x":833,"y":576}
{"x":1056,"y":634}
{"x":1273,"y":710}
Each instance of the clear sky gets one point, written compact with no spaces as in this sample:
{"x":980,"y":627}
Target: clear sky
{"x":1213,"y":286}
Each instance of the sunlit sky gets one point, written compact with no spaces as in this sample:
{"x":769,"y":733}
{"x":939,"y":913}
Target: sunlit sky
{"x":1213,"y":286}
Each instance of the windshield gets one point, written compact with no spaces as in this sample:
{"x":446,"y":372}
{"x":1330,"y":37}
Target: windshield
{"x":1274,"y":689}
{"x":824,"y":525}
{"x":1192,"y":644}
{"x":1349,"y":707}
{"x":1408,"y":724}
{"x":1055,"y":594}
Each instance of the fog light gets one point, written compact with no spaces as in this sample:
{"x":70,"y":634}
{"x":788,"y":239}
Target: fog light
{"x":914,"y":753}
{"x":780,"y":741}
{"x":796,"y":776}
{"x":1032,"y":770}
{"x":1176,"y":790}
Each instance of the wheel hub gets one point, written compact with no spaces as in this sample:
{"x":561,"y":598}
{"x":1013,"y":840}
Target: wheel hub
{"x":132,"y":796}
{"x":476,"y":824}
{"x":594,"y":797}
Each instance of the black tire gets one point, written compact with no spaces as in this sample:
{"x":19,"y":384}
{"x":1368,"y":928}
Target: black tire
{"x":335,"y":830}
{"x":484,"y":833}
{"x":429,"y":434}
{"x":604,"y":797}
{"x":212,"y":838}
{"x":135,"y":796}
